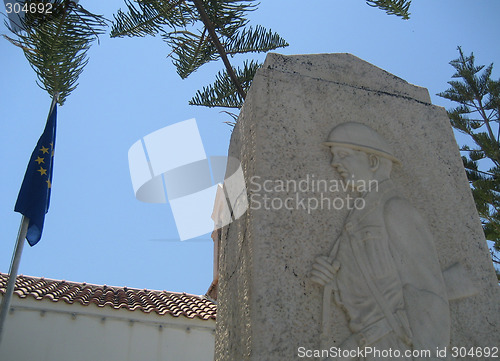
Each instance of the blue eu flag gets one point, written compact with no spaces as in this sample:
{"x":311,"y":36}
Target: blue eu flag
{"x":34,"y":197}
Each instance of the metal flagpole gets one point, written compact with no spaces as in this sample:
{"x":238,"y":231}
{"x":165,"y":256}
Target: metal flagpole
{"x":14,"y":266}
{"x":16,"y":257}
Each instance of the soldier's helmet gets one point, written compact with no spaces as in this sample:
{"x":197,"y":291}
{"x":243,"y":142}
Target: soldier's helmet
{"x":358,"y":136}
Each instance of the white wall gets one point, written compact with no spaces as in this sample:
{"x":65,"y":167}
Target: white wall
{"x":56,"y":331}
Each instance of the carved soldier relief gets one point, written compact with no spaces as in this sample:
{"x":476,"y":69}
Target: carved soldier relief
{"x":383,"y":270}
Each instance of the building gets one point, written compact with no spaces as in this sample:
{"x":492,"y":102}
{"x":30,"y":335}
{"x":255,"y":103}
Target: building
{"x":53,"y":320}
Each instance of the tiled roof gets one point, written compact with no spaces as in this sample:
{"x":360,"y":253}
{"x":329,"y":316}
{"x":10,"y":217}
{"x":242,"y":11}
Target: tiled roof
{"x":161,"y":302}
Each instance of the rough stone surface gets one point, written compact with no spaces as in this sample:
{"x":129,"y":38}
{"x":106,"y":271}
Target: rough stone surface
{"x":268,"y":306}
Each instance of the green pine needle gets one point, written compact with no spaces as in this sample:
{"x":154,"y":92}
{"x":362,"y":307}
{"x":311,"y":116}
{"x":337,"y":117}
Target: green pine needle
{"x":254,"y":40}
{"x":188,"y":33}
{"x":190,"y":51}
{"x":393,"y":7}
{"x":148,"y":17}
{"x":56,"y":45}
{"x":222,"y":93}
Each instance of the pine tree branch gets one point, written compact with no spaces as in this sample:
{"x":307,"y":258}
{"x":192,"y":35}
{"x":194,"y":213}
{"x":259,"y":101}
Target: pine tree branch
{"x":494,"y":257}
{"x":485,"y":118}
{"x":58,"y":33}
{"x":191,"y":50}
{"x":200,"y":44}
{"x":254,"y":40}
{"x":481,"y":172}
{"x":498,"y":134}
{"x":393,"y":7}
{"x":148,"y":18}
{"x":222,"y":34}
{"x":56,"y":44}
{"x":222,"y":92}
{"x":220,"y":49}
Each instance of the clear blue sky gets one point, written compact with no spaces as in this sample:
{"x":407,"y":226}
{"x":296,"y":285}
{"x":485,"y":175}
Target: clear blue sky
{"x":96,"y":231}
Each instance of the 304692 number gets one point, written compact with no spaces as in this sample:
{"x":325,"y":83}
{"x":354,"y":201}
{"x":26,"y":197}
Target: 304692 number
{"x":479,"y":352}
{"x":31,"y":7}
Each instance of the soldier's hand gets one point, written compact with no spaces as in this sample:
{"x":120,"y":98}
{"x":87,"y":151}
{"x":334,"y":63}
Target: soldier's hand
{"x":323,"y":271}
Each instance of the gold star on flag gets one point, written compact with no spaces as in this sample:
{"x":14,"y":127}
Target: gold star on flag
{"x":48,"y":183}
{"x":39,"y":160}
{"x":42,"y":171}
{"x":44,"y":150}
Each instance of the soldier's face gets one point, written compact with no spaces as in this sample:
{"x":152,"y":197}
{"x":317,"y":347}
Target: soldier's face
{"x":352,"y":165}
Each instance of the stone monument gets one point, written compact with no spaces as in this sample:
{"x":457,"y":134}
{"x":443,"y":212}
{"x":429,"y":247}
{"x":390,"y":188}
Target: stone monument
{"x":361,"y":240}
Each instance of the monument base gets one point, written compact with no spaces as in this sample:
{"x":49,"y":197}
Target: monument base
{"x":276,"y":297}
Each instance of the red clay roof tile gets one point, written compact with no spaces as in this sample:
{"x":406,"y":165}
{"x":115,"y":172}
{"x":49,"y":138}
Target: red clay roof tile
{"x":161,"y":302}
